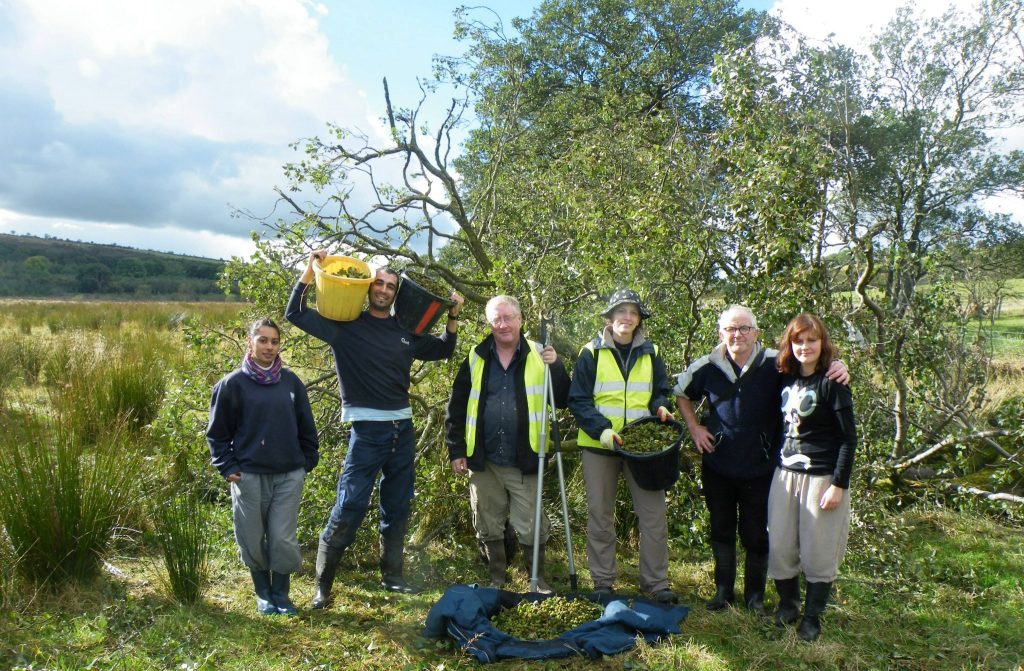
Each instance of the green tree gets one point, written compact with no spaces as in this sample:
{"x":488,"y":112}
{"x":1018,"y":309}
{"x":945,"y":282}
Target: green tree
{"x":38,"y":265}
{"x":94,"y":278}
{"x":913,"y":130}
{"x":131,"y":267}
{"x":697,"y":153}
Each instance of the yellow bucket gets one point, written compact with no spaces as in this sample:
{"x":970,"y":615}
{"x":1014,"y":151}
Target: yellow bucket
{"x":340,"y":298}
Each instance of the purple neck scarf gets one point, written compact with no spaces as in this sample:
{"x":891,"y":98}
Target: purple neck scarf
{"x":261,"y":375}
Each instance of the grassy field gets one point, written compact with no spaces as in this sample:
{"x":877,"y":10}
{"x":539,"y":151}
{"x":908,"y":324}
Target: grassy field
{"x":928,"y":590}
{"x":922,"y":587}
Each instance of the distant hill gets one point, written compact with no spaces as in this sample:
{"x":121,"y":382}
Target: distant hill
{"x":32,"y":267}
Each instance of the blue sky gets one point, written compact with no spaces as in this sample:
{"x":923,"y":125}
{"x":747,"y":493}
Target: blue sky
{"x":143,"y":122}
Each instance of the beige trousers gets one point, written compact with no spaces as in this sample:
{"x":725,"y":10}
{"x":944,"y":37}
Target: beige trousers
{"x":801,"y":536}
{"x":601,"y":476}
{"x":500,"y":493}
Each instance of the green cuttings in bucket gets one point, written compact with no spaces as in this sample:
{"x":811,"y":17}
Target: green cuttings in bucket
{"x":429,"y":284}
{"x":342,"y":269}
{"x":547,"y":619}
{"x":649,"y":437}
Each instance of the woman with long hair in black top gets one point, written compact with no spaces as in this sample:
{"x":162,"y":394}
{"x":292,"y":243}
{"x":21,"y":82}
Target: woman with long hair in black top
{"x":809,"y":502}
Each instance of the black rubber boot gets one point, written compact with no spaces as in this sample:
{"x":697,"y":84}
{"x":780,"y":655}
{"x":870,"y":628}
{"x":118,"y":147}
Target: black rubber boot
{"x":327,"y":560}
{"x":725,"y":576}
{"x":755,"y":575}
{"x":280,"y":585}
{"x":789,"y":601}
{"x":392,"y":561}
{"x":542,"y":585}
{"x":264,"y":599}
{"x":497,"y":564}
{"x":814,"y":606}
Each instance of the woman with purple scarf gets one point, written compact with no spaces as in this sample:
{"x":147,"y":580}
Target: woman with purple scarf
{"x":263,"y":441}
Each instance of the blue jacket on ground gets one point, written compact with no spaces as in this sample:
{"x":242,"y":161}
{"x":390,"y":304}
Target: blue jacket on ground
{"x":464,"y":612}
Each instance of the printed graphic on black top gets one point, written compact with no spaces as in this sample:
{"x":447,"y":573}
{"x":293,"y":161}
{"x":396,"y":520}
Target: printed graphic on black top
{"x":812,"y":434}
{"x":797,"y":402}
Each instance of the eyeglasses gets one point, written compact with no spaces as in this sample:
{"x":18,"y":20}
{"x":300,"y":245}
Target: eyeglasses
{"x":733,"y":330}
{"x":504,"y":319}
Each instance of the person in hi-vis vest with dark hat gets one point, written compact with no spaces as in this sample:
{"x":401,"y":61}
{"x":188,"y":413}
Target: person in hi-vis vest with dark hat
{"x":493,"y":430}
{"x":619,"y":377}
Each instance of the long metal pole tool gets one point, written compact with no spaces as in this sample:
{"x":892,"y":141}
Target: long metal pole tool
{"x":549,"y":401}
{"x":539,"y":509}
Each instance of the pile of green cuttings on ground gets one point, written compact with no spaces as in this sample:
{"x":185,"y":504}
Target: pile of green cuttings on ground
{"x":547,"y":619}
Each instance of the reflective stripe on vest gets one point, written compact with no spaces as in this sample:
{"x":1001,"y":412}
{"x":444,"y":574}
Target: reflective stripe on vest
{"x":533,"y":374}
{"x":620,"y":399}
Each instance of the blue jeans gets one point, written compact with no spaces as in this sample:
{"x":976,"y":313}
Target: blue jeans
{"x":375,"y":448}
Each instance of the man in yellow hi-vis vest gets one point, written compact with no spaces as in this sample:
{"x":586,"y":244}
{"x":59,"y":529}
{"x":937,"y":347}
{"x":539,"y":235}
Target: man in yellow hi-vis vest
{"x":619,"y":377}
{"x":493,"y":429}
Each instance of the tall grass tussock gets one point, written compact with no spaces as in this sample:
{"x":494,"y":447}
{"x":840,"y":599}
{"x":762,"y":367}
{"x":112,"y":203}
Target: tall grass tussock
{"x":62,"y":499}
{"x":184,"y":532}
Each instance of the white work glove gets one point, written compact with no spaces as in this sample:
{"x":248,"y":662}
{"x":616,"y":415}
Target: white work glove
{"x":609,"y":438}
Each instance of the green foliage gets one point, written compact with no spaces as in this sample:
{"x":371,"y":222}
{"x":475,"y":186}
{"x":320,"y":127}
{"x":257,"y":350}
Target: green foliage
{"x":546,"y":619}
{"x":62,"y":498}
{"x":93,"y":389}
{"x":184,"y":533}
{"x":941,"y":593}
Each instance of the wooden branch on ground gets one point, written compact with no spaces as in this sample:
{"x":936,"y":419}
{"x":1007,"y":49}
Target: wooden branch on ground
{"x":951,"y":440}
{"x":991,"y":496}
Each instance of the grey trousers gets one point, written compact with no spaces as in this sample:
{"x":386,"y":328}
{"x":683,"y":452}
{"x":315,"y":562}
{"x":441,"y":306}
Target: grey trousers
{"x":801,"y":536}
{"x":601,"y":476}
{"x":265,"y":509}
{"x":500,"y":493}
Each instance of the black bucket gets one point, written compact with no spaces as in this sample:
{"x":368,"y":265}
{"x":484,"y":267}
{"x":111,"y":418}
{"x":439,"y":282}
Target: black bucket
{"x":416,"y":309}
{"x":654,"y":471}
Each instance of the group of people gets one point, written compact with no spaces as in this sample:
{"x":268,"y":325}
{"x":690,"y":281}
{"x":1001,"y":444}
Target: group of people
{"x":775,"y":430}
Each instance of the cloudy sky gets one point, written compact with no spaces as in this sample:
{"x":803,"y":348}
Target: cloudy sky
{"x":145,"y":122}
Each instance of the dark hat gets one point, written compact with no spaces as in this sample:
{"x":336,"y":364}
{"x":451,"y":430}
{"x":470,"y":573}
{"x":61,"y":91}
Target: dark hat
{"x":623,"y":296}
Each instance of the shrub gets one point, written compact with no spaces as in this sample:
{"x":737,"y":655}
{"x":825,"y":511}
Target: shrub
{"x":61,"y":499}
{"x":134,"y":389}
{"x":183,"y":532}
{"x":91,"y":390}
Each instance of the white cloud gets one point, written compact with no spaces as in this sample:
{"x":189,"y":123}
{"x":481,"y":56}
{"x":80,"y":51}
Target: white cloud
{"x":158,"y":114}
{"x":851,"y":23}
{"x":225,"y":70}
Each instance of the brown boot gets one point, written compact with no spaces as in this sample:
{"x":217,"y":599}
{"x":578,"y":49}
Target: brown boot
{"x":496,"y":562}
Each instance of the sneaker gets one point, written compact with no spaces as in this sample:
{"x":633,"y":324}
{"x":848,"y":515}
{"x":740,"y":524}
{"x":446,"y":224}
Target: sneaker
{"x":603,"y":590}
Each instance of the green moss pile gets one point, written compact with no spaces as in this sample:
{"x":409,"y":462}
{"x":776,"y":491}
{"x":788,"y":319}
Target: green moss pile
{"x":547,"y":619}
{"x":343,"y":269}
{"x":429,"y":284}
{"x":649,"y":437}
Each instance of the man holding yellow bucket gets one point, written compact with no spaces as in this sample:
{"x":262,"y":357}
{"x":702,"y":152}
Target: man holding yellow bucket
{"x":373,"y":357}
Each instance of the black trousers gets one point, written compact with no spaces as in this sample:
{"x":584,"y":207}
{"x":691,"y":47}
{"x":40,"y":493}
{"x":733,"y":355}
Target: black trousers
{"x":738,"y":501}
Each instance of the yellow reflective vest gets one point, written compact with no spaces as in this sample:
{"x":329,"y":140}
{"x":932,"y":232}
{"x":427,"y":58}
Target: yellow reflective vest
{"x":620,"y":399}
{"x":533,"y":374}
